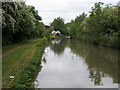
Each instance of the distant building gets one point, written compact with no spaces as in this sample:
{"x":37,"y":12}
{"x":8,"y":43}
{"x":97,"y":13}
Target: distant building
{"x":55,"y":33}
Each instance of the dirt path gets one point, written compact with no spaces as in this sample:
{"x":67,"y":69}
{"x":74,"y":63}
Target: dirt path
{"x":10,"y":51}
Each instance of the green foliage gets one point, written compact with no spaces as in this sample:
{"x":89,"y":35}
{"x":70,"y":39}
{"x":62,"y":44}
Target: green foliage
{"x":40,"y":29}
{"x":20,"y":22}
{"x":74,"y":25}
{"x":25,"y":78}
{"x":79,"y":19}
{"x":101,"y":27}
{"x":59,"y":25}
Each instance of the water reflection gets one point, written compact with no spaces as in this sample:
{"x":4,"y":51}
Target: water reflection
{"x":75,"y":64}
{"x":56,"y":41}
{"x":58,"y":46}
{"x":101,"y":61}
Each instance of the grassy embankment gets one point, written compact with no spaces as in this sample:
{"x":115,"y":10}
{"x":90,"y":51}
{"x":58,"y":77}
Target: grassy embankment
{"x":22,"y":61}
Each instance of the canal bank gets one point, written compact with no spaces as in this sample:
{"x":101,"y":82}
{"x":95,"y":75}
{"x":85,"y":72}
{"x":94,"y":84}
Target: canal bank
{"x":22,"y":65}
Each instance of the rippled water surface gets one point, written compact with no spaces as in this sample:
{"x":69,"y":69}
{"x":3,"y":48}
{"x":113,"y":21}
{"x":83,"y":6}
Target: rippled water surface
{"x":74,"y":64}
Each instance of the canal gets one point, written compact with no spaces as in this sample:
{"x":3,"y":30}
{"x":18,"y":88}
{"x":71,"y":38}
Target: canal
{"x":76,"y":64}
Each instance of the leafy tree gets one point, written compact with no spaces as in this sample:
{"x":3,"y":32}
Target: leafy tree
{"x":20,"y":22}
{"x":75,"y":24}
{"x":100,"y":27}
{"x":59,"y":25}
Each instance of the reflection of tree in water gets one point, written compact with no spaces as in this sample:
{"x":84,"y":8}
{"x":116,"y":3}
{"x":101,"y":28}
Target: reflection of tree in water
{"x":58,"y":48}
{"x":44,"y":60}
{"x":95,"y":76}
{"x":104,"y":61}
{"x":101,"y":61}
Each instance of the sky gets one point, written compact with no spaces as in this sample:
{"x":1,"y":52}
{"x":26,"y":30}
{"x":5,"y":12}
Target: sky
{"x":67,"y":9}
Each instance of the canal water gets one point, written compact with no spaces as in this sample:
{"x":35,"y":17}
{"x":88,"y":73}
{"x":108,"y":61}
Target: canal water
{"x":76,"y":64}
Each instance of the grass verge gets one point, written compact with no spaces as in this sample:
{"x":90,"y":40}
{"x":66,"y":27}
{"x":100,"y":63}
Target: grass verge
{"x":23,"y":64}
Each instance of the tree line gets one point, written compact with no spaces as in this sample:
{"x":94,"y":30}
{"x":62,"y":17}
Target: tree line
{"x":20,"y":22}
{"x":100,"y":27}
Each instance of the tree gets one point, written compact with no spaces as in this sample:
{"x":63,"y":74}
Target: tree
{"x":59,"y":25}
{"x":101,"y":27}
{"x":20,"y":22}
{"x":74,"y":25}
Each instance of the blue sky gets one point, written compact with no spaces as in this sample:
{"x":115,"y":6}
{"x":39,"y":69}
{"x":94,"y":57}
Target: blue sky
{"x":67,"y":9}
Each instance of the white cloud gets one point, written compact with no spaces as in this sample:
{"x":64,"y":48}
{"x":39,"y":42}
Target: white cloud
{"x":67,"y":9}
